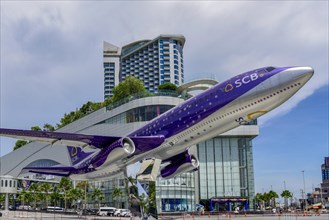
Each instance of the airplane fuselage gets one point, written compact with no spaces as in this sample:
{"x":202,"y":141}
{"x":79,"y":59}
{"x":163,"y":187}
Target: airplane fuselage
{"x":223,"y":107}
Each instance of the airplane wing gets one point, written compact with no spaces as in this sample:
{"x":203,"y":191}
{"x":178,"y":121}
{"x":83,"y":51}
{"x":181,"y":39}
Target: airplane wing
{"x":63,"y":138}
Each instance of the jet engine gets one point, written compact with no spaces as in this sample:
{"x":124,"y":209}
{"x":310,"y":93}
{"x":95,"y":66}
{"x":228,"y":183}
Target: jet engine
{"x":180,"y":163}
{"x":121,"y":149}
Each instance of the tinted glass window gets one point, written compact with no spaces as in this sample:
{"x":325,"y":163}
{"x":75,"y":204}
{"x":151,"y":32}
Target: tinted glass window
{"x":269,"y":69}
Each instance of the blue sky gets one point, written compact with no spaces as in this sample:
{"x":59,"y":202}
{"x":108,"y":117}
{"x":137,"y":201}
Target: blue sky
{"x":51,"y":64}
{"x":296,"y":141}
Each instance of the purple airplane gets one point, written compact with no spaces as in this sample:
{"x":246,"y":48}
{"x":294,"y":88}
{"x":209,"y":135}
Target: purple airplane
{"x":168,"y":137}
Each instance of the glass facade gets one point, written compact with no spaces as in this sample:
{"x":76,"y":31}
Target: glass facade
{"x":226,"y":168}
{"x":325,"y":170}
{"x":42,"y":163}
{"x":107,"y":186}
{"x":109,"y":78}
{"x":176,"y":194}
{"x":155,"y":62}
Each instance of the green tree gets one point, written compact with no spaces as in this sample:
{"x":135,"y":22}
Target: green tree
{"x":46,"y":188}
{"x":74,"y":194}
{"x":24,"y":196}
{"x":41,"y":197}
{"x":65,"y":185}
{"x":272,"y":196}
{"x":84,"y":186}
{"x":167,"y":86}
{"x":131,"y":85}
{"x":131,"y":188}
{"x":97,"y":196}
{"x":35,"y":128}
{"x":90,"y":107}
{"x":55,"y":196}
{"x":143,"y":203}
{"x":48,"y":127}
{"x":2,"y":198}
{"x":117,"y":193}
{"x":152,"y":198}
{"x":34,"y":190}
{"x":79,"y":113}
{"x":19,"y":144}
{"x":259,"y":199}
{"x":286,"y":194}
{"x":108,"y":101}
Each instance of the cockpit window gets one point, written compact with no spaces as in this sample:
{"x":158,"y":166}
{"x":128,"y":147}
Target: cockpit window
{"x":269,"y":69}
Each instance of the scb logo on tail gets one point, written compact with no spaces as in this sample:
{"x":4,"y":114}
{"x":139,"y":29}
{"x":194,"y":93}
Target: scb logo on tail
{"x":76,"y":154}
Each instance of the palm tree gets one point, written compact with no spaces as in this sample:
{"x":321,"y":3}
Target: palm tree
{"x":2,"y":199}
{"x":286,"y":194}
{"x":259,"y":198}
{"x":143,"y":203}
{"x":54,"y":197}
{"x":41,"y":197}
{"x":84,"y":186}
{"x":97,"y":195}
{"x":273,"y":195}
{"x":74,"y":194}
{"x":24,"y":196}
{"x":34,"y":189}
{"x":132,"y":189}
{"x":64,"y":185}
{"x":117,"y":193}
{"x":46,"y":188}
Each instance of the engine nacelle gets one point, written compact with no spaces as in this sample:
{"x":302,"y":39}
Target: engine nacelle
{"x":121,"y":149}
{"x":180,"y":163}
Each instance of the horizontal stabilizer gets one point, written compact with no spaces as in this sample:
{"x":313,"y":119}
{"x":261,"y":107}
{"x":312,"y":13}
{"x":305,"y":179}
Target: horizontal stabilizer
{"x":55,"y":170}
{"x":63,"y":138}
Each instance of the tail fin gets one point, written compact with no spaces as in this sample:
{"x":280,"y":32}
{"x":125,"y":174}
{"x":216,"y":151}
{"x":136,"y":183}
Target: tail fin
{"x":76,"y":154}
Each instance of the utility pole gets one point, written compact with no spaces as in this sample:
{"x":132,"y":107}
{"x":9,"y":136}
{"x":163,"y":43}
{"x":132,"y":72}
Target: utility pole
{"x":304,"y":193}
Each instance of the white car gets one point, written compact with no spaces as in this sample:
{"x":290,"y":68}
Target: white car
{"x":118,"y":212}
{"x":25,"y":207}
{"x":125,"y":213}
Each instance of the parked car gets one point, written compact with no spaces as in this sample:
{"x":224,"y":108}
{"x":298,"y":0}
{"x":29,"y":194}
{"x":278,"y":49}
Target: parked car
{"x":103,"y":211}
{"x":111,"y":211}
{"x":55,"y":209}
{"x":25,"y":207}
{"x":125,"y":213}
{"x":88,"y":211}
{"x":117,"y":212}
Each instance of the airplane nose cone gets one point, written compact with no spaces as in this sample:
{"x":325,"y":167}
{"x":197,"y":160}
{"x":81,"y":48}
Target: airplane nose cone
{"x":302,"y":72}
